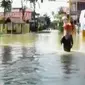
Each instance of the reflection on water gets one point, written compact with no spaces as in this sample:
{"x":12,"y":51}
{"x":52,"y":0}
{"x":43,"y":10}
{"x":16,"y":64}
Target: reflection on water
{"x":28,"y":52}
{"x":23,"y":39}
{"x":66,"y":60}
{"x":23,"y":71}
{"x":6,"y":55}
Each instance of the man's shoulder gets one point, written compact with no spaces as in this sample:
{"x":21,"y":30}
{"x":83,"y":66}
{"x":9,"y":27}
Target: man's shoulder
{"x":63,"y":37}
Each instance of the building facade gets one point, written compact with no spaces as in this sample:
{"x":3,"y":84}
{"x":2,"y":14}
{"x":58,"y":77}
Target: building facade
{"x":16,"y":15}
{"x":76,"y":7}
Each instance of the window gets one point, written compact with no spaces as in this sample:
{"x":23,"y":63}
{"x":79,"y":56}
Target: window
{"x":81,"y":5}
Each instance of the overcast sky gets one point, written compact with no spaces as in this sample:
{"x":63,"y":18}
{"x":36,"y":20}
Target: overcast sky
{"x":45,"y":7}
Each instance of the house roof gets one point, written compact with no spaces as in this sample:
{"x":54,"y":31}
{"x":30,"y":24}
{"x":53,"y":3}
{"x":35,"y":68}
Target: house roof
{"x":18,"y":9}
{"x":17,"y":20}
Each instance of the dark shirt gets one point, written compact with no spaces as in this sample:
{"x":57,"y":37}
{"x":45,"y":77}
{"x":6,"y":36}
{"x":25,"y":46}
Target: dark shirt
{"x":67,"y":43}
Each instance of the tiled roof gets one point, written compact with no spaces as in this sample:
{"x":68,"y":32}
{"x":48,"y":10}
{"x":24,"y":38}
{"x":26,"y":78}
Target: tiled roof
{"x":17,"y":20}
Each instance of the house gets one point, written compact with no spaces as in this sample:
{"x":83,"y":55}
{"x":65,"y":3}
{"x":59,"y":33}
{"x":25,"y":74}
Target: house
{"x":76,"y":7}
{"x":16,"y":15}
{"x":18,"y":20}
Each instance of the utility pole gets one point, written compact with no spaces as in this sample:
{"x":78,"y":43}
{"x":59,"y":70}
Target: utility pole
{"x":34,"y":9}
{"x":69,"y":10}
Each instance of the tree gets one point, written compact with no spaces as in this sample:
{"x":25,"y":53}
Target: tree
{"x":58,"y":18}
{"x":34,"y":4}
{"x":6,"y":4}
{"x":23,"y":9}
{"x":48,"y":21}
{"x":35,"y":23}
{"x":61,"y":11}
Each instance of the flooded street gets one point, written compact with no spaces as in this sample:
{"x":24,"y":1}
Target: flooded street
{"x":38,"y":59}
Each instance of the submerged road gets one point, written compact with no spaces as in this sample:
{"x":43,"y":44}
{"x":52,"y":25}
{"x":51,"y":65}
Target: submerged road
{"x":38,"y":59}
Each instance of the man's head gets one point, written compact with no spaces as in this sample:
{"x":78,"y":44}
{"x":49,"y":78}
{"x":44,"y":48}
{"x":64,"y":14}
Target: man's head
{"x":64,"y":19}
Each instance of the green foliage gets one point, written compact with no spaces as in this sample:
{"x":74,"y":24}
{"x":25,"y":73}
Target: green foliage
{"x":6,"y":4}
{"x":61,"y":11}
{"x":53,"y":24}
{"x":31,"y":1}
{"x":58,"y":18}
{"x":60,"y":26}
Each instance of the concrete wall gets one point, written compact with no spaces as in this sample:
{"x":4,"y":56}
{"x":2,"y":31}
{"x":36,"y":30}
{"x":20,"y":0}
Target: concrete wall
{"x":18,"y":28}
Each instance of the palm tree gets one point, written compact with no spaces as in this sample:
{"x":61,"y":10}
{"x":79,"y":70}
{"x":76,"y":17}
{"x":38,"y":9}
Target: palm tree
{"x":6,"y":4}
{"x":34,"y":5}
{"x":23,"y":9}
{"x":34,"y":28}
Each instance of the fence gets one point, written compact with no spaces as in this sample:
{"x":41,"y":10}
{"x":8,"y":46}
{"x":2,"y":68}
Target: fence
{"x":14,"y":28}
